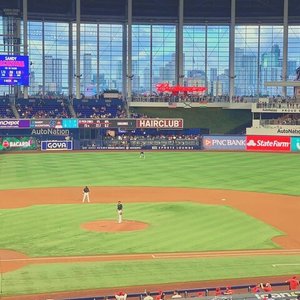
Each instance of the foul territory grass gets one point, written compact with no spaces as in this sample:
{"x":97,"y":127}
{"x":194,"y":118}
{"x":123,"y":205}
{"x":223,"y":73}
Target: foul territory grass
{"x":77,"y":276}
{"x":261,"y":172}
{"x":54,"y":230}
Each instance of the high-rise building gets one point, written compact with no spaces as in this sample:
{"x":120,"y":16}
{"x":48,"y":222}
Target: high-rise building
{"x":53,"y":74}
{"x":87,"y":71}
{"x":271,"y":69}
{"x":245,"y":73}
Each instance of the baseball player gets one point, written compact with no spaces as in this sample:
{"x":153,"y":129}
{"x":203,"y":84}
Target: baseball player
{"x":142,"y":155}
{"x":86,"y":194}
{"x":120,"y":211}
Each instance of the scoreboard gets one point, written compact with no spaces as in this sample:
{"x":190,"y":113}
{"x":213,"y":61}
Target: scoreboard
{"x":14,"y":70}
{"x":107,"y":123}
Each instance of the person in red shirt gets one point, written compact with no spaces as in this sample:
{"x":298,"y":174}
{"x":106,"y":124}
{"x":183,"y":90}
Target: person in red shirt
{"x":200,"y":294}
{"x":267,"y":287}
{"x":218,"y":292}
{"x":160,"y":296}
{"x":293,"y":283}
{"x":256,"y":289}
{"x":228,"y":291}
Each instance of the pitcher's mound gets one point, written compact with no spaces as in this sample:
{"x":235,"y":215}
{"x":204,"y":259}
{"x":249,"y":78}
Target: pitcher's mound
{"x":113,"y":226}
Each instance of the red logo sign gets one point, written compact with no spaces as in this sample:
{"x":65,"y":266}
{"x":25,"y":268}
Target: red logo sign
{"x":207,"y":142}
{"x":5,"y":144}
{"x":165,"y":87}
{"x":268,"y":143}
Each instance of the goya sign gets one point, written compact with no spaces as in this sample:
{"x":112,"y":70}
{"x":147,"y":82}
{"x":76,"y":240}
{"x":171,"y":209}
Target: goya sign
{"x":56,"y":145}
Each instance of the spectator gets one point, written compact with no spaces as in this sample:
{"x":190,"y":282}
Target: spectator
{"x":267,"y":287}
{"x":293,"y":283}
{"x":160,"y":296}
{"x":228,"y":291}
{"x":121,"y":296}
{"x":218,"y":292}
{"x":176,"y":295}
{"x":256,"y":289}
{"x":148,"y":296}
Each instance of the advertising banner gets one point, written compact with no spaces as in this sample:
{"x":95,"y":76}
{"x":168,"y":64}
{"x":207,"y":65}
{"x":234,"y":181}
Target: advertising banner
{"x":268,"y":143}
{"x":17,"y":143}
{"x":220,"y":142}
{"x":50,"y":131}
{"x":171,"y":147}
{"x":274,"y":130}
{"x":70,"y":123}
{"x":56,"y":145}
{"x":14,"y":123}
{"x":160,"y":123}
{"x":54,"y":123}
{"x":295,"y":144}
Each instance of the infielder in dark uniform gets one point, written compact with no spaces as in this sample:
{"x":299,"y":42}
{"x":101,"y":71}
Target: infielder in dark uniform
{"x":120,"y":211}
{"x":86,"y":194}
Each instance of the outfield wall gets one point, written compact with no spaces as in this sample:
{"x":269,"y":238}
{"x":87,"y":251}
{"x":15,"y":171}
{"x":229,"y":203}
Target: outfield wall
{"x":257,"y":143}
{"x":130,"y":134}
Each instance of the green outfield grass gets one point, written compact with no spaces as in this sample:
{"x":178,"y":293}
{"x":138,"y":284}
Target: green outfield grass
{"x":54,"y":230}
{"x":77,"y":276}
{"x":260,"y":172}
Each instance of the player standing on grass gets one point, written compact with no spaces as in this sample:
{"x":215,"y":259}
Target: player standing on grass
{"x":120,"y":211}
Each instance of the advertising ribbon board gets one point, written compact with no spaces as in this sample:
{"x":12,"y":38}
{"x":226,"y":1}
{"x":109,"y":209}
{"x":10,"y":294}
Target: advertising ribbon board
{"x":295,"y":144}
{"x":220,"y":142}
{"x":17,"y":143}
{"x":8,"y":124}
{"x":56,"y":145}
{"x":268,"y":143}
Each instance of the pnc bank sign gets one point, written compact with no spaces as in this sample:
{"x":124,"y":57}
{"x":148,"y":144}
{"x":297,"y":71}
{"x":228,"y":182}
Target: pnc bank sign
{"x":220,"y":142}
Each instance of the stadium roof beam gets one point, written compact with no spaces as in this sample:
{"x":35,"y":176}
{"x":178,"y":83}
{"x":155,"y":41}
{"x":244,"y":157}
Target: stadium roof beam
{"x":163,"y":11}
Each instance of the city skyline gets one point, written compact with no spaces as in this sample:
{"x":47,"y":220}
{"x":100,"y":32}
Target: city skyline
{"x":154,"y":56}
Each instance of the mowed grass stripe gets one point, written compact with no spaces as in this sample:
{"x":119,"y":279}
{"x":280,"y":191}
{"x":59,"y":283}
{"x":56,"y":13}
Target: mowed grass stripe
{"x":265,"y":172}
{"x":76,"y":276}
{"x":54,"y":230}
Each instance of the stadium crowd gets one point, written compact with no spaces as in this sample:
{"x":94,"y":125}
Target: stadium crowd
{"x":162,"y":140}
{"x":219,"y":292}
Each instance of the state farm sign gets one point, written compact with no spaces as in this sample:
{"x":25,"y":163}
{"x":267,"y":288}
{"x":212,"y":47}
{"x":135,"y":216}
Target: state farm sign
{"x":268,"y":143}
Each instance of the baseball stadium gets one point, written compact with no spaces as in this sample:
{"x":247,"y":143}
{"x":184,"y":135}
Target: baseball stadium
{"x":149,"y":149}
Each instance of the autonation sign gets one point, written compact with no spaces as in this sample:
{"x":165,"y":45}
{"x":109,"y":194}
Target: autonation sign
{"x":221,"y":142}
{"x":56,"y":145}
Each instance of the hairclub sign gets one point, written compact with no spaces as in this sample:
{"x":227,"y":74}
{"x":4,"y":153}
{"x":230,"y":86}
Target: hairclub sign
{"x":268,"y":143}
{"x":160,"y":123}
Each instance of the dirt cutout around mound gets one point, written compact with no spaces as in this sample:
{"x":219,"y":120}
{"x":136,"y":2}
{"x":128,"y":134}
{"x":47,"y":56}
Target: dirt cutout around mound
{"x":280,"y":211}
{"x":113,"y":226}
